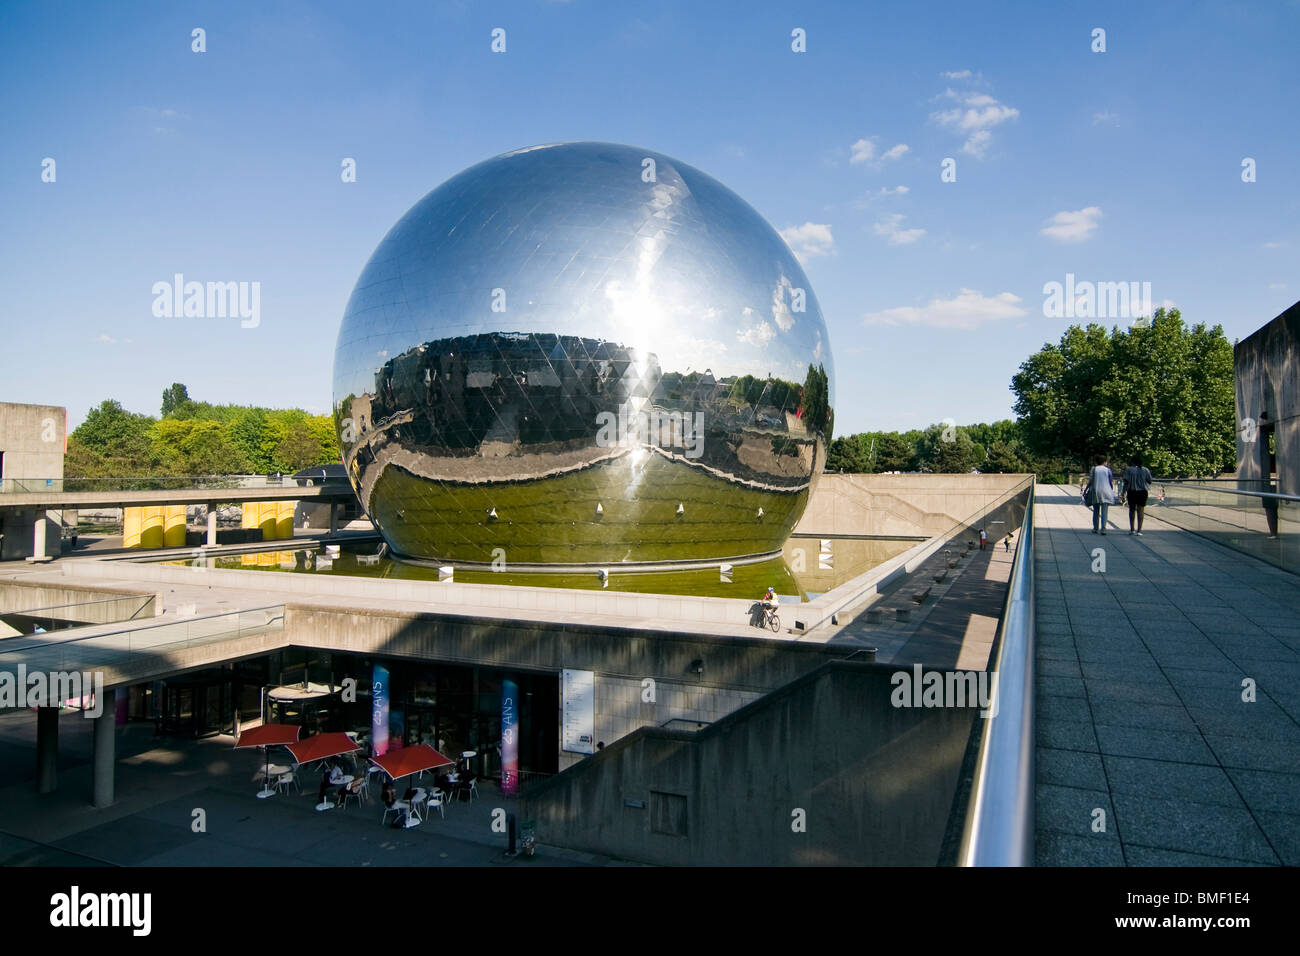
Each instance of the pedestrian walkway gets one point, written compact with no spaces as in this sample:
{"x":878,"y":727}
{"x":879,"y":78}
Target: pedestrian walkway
{"x":1151,"y":750}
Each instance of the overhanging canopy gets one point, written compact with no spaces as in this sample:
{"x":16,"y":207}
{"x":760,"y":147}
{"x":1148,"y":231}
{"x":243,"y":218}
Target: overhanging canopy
{"x":409,"y":760}
{"x":322,"y":746}
{"x":268,"y":735}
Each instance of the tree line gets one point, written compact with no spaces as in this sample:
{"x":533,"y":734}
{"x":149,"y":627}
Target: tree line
{"x":193,"y":438}
{"x":1159,"y":389}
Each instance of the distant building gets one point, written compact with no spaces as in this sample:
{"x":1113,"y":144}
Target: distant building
{"x":33,"y":440}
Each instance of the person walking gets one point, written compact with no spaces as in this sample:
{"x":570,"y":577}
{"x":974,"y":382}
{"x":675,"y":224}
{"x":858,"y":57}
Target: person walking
{"x":1101,"y":493}
{"x":1006,"y":542}
{"x":984,"y":539}
{"x":1137,"y":486}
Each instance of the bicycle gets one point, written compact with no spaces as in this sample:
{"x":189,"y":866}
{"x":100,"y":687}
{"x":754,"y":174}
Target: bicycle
{"x":772,"y":619}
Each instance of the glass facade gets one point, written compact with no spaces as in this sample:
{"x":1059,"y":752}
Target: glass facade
{"x":583,"y":354}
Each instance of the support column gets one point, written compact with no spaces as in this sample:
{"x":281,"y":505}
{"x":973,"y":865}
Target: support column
{"x":334,"y":518}
{"x":104,"y":760}
{"x":212,"y":524}
{"x":39,"y":533}
{"x":47,"y":749}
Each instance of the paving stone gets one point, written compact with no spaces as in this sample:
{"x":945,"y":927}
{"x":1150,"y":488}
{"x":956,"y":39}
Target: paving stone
{"x":1055,"y":668}
{"x":1191,"y":827}
{"x":1175,"y":781}
{"x":1070,"y":768}
{"x":1144,"y":692}
{"x":1060,"y":686}
{"x":1269,"y":792}
{"x":1283,"y":831}
{"x":1071,"y":810}
{"x":1126,"y":713}
{"x":1153,"y":856}
{"x":1065,"y":734}
{"x":1153,"y":744}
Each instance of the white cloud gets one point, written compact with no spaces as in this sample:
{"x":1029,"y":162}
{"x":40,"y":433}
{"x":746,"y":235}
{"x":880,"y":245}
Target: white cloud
{"x":1074,"y":226}
{"x":1273,"y":245}
{"x":974,"y":115}
{"x":1105,"y":117}
{"x":977,"y":143}
{"x":884,"y":192}
{"x":1277,"y":286}
{"x":863,"y":151}
{"x":891,"y":228}
{"x":781,"y":313}
{"x":957,"y":75}
{"x":759,"y":335}
{"x":106,"y":339}
{"x":968,"y":310}
{"x":809,"y":240}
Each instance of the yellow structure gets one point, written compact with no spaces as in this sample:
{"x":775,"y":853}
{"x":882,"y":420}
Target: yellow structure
{"x":155,"y":526}
{"x":284,"y":518}
{"x":174,"y":526}
{"x":143,"y":527}
{"x":275,"y":518}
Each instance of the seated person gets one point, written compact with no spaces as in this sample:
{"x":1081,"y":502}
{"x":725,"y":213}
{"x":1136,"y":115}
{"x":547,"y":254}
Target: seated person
{"x":335,"y":774}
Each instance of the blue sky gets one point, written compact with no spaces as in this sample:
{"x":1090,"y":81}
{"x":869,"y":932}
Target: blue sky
{"x":1115,"y":166}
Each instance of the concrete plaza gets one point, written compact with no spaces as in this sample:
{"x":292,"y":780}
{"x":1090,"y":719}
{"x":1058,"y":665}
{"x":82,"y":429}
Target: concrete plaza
{"x":1140,"y":705}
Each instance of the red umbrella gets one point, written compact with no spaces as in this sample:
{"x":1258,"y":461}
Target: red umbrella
{"x":322,"y":746}
{"x":409,"y":760}
{"x":268,"y":736}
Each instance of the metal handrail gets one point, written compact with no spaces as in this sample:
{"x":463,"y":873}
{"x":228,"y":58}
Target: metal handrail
{"x":8,"y":648}
{"x":999,"y":829}
{"x":1239,"y":491}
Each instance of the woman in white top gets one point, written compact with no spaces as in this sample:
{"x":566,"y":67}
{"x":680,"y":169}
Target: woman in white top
{"x":1101,"y":494}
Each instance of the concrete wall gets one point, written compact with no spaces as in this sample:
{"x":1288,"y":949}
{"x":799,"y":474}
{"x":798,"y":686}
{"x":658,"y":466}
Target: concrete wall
{"x":32,"y":439}
{"x":85,"y":606}
{"x":1267,"y":372}
{"x":899,"y":504}
{"x":875,"y":782}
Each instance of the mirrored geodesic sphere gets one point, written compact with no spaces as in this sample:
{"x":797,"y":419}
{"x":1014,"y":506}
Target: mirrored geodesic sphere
{"x":583,"y":353}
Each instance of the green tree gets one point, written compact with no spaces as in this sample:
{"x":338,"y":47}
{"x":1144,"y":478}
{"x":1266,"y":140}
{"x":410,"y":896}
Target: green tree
{"x":851,"y":453}
{"x":948,"y":450}
{"x":816,"y":400}
{"x":896,"y":452}
{"x":1164,"y":391}
{"x":116,"y":441}
{"x":173,"y":397}
{"x":1006,"y":458}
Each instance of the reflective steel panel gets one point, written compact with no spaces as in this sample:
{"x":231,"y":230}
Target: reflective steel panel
{"x":583,"y":353}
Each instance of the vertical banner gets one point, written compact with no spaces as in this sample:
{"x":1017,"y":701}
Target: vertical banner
{"x":379,"y":710}
{"x":578,"y":711}
{"x":509,"y":738}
